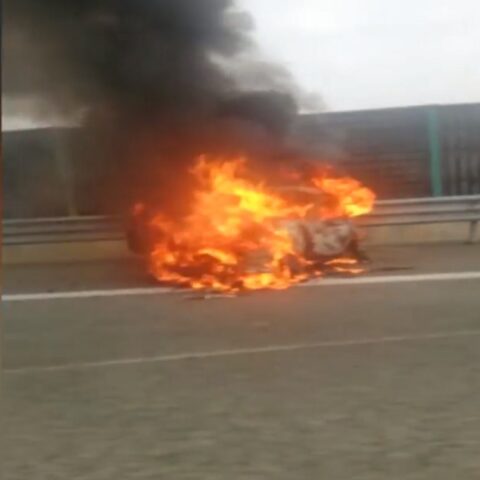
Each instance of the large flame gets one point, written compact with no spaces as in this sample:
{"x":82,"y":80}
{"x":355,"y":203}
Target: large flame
{"x":235,"y":238}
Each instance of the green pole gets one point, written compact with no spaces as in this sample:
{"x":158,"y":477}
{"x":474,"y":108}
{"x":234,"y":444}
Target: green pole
{"x":435,"y":151}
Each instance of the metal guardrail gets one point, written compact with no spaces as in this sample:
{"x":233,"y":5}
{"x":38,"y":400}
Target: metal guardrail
{"x":417,"y":211}
{"x":386,"y":213}
{"x":424,"y":210}
{"x":61,"y":229}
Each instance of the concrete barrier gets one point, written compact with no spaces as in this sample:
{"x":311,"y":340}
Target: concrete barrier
{"x":453,"y":232}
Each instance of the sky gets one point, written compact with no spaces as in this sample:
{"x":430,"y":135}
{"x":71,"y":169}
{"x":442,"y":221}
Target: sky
{"x":361,"y":54}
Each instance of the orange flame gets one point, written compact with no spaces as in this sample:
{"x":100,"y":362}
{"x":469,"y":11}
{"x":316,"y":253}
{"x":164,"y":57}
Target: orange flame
{"x":233,"y":237}
{"x":353,"y":199}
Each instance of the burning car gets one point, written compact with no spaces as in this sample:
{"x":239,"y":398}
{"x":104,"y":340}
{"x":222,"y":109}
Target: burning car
{"x":241,"y":234}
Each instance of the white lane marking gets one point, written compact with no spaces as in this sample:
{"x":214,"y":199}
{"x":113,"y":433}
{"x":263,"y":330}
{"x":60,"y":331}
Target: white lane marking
{"x":419,"y":277}
{"x":110,"y":292}
{"x":320,"y":282}
{"x":176,"y":357}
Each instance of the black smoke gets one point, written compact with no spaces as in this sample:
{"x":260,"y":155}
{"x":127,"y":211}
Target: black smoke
{"x":139,"y":54}
{"x":148,"y":73}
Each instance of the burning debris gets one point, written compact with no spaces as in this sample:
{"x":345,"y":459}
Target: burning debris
{"x":242,"y":234}
{"x":165,"y":82}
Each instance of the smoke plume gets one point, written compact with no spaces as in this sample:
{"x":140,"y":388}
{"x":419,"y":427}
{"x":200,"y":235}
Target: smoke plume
{"x":158,"y":78}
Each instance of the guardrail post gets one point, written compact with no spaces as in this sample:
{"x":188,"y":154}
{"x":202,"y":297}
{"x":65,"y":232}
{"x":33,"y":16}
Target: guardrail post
{"x":435,"y":151}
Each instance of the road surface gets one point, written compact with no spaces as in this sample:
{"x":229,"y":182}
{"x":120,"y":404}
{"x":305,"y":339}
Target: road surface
{"x":374,"y":380}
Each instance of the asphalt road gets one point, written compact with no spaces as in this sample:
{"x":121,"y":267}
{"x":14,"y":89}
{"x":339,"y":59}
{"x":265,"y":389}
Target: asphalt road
{"x":352,"y":381}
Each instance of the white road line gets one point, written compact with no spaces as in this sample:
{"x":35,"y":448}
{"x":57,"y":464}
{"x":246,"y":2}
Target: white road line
{"x":120,"y":292}
{"x":321,"y":282}
{"x":419,"y":277}
{"x":242,"y":351}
